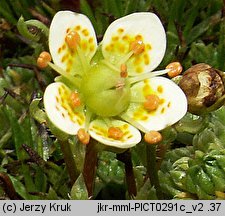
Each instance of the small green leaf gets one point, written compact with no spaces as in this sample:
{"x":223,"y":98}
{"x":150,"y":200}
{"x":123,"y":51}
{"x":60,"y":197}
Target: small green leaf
{"x":36,"y":112}
{"x":79,"y":190}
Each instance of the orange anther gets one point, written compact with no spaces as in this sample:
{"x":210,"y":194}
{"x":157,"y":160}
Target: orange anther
{"x":153,"y":137}
{"x":43,"y":59}
{"x":72,"y":39}
{"x":46,"y":56}
{"x":137,"y":46}
{"x":123,"y":69}
{"x":83,"y":136}
{"x":75,"y":99}
{"x":175,"y":69}
{"x":152,"y":102}
{"x":115,"y":133}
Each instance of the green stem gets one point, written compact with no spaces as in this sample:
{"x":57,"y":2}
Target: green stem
{"x":125,"y":157}
{"x":152,"y":169}
{"x":69,"y":160}
{"x":89,"y":170}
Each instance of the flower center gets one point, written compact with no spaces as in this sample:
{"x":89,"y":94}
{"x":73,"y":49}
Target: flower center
{"x":105,"y":91}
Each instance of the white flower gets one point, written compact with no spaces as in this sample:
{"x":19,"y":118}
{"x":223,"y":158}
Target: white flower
{"x":115,"y":95}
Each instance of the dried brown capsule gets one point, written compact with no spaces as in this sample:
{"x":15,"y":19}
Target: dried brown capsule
{"x":204,"y":88}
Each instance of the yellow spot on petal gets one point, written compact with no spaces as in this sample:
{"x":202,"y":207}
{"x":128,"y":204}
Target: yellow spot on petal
{"x":138,"y":37}
{"x":77,"y":28}
{"x":64,"y":46}
{"x":148,"y":47}
{"x":59,"y":50}
{"x":146,"y":59}
{"x":84,"y":46}
{"x":92,"y":48}
{"x":85,"y":32}
{"x":162,"y":101}
{"x":90,"y":40}
{"x":120,"y":30}
{"x":125,"y":38}
{"x":160,"y":89}
{"x":115,"y":38}
{"x":139,"y":69}
{"x":163,"y":110}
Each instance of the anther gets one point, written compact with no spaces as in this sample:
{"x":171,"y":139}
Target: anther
{"x":153,"y":137}
{"x":75,"y":99}
{"x":175,"y":69}
{"x":115,"y":133}
{"x":43,"y":59}
{"x":72,"y":39}
{"x":123,"y":70}
{"x":137,"y":46}
{"x":83,"y":136}
{"x":152,"y":102}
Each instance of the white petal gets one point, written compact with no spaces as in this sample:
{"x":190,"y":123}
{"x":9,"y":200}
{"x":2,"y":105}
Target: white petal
{"x":59,"y":110}
{"x":62,"y":23}
{"x":98,"y":130}
{"x":173,"y":104}
{"x":121,"y":32}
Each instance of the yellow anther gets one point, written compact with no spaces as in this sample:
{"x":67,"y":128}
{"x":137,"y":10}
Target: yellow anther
{"x":115,"y":133}
{"x":83,"y":136}
{"x":153,"y":137}
{"x":72,"y":39}
{"x":152,"y":102}
{"x":175,"y":69}
{"x":75,"y":99}
{"x":123,"y":69}
{"x":43,"y":59}
{"x":137,"y":46}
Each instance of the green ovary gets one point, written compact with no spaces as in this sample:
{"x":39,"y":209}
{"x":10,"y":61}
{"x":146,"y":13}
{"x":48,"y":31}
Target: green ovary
{"x":104,"y":92}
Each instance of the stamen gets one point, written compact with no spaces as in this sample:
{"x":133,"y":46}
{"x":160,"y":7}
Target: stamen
{"x":72,"y":39}
{"x":152,"y":102}
{"x":148,"y":75}
{"x":115,"y":133}
{"x":74,"y":80}
{"x":133,"y":122}
{"x":111,"y":66}
{"x":125,"y":58}
{"x":175,"y":69}
{"x":137,"y":46}
{"x":83,"y":136}
{"x":153,"y":137}
{"x":43,"y":59}
{"x":75,"y":99}
{"x":123,"y":71}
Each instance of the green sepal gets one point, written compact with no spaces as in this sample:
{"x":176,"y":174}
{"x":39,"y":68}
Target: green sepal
{"x":57,"y":132}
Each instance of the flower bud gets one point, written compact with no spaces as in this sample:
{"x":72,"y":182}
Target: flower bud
{"x":204,"y":88}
